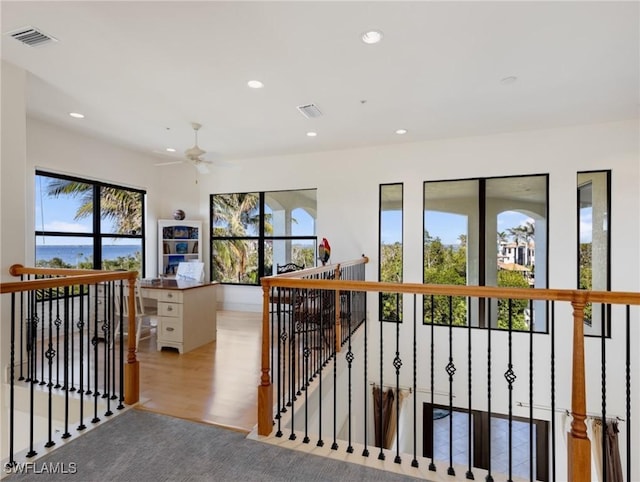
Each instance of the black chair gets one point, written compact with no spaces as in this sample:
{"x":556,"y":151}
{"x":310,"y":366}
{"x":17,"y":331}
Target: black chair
{"x":288,"y":268}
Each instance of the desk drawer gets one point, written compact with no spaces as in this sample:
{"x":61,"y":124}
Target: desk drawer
{"x":173,"y":296}
{"x":170,"y":330}
{"x":173,"y":310}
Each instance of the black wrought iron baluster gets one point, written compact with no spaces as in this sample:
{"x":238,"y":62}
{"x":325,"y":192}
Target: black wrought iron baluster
{"x":108,"y":343}
{"x":42,"y":323}
{"x":510,"y":376}
{"x":332,"y":322}
{"x":432,"y":465}
{"x":365,"y":450}
{"x":397,"y":364}
{"x":12,"y":374}
{"x":91,"y":310}
{"x":553,"y":391}
{"x":349,"y":357}
{"x":81,"y":324}
{"x":380,"y":434}
{"x":50,"y":354}
{"x":469,"y":475}
{"x":66,"y":323}
{"x":32,"y":334}
{"x":294,"y":330}
{"x":22,"y":333}
{"x":603,"y":374}
{"x":282,"y":336}
{"x":71,"y":325}
{"x":414,"y":462}
{"x":306,"y":352}
{"x":451,"y":370}
{"x":628,"y":386}
{"x":120,"y":294}
{"x":58,"y":324}
{"x":489,"y":477}
{"x":112,"y":347}
{"x":94,"y":342}
{"x":105,"y":333}
{"x":319,"y":343}
{"x":531,"y":424}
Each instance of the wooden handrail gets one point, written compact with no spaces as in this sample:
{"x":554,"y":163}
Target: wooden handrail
{"x":72,"y":277}
{"x":619,"y":297}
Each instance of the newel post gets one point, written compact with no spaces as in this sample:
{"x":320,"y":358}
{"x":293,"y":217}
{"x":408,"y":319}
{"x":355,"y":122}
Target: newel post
{"x":579,"y":445}
{"x":132,"y":367}
{"x":265,"y":390}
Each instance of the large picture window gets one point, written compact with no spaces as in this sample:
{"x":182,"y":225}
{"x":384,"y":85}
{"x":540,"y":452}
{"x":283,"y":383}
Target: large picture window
{"x":594,"y":254}
{"x":88,"y":224}
{"x":390,"y":268}
{"x":254,"y":233}
{"x":486,"y":232}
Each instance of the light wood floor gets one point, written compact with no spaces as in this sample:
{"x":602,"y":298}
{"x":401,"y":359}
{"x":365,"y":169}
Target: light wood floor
{"x":216,"y":383}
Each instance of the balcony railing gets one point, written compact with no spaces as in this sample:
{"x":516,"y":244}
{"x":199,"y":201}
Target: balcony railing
{"x":440,"y":397}
{"x":67,"y":364}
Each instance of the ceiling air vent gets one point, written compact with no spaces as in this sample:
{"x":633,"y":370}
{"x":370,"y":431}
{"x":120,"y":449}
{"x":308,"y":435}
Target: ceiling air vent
{"x":309,"y":110}
{"x":32,"y":37}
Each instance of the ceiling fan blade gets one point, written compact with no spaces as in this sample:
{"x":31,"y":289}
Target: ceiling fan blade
{"x":168,"y":163}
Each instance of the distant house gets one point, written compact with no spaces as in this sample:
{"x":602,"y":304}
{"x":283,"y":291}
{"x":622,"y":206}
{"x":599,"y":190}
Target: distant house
{"x":523,"y":254}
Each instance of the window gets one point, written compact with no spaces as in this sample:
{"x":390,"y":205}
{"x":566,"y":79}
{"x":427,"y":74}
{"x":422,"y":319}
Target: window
{"x":486,"y":232}
{"x":594,"y":234}
{"x":390,"y":237}
{"x":88,"y":224}
{"x":252,"y":233}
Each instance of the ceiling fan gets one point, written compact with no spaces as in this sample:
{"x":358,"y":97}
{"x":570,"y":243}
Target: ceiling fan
{"x":193,"y":154}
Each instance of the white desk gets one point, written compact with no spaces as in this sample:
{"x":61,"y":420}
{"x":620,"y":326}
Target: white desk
{"x":186,"y":313}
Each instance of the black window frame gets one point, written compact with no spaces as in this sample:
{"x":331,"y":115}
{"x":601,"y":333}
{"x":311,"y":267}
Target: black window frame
{"x":261,"y":239}
{"x":96,"y":236}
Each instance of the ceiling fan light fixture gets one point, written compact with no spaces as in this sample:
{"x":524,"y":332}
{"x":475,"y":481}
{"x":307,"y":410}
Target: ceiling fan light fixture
{"x":372,"y":37}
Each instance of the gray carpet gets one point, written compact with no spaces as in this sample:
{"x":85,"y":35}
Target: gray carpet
{"x":143,"y":446}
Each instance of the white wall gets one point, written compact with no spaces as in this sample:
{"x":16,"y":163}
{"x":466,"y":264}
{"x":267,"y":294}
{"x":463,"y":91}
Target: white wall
{"x":12,"y":202}
{"x":352,"y":177}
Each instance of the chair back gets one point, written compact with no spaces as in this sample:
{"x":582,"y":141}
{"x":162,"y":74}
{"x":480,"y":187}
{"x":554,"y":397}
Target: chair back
{"x":288,"y":268}
{"x":125,"y":301}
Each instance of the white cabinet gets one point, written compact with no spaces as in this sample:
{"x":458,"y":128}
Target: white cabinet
{"x":186,"y":316}
{"x":178,"y":241}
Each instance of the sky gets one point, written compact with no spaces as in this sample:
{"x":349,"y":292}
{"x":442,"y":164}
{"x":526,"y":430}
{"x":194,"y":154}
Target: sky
{"x":448,"y":227}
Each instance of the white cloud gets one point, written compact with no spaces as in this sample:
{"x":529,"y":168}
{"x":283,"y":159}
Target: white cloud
{"x":63,"y":226}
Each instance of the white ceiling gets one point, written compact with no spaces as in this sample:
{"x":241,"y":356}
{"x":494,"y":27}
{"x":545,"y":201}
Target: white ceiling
{"x":141,"y":72}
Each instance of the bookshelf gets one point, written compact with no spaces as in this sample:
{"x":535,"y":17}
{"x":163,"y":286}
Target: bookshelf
{"x":178,"y":241}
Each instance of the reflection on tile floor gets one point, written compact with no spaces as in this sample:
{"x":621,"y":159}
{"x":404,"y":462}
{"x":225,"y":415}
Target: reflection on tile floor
{"x":520,"y":462}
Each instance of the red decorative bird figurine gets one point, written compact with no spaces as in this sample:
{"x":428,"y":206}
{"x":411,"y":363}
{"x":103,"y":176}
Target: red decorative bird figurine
{"x":324,"y":251}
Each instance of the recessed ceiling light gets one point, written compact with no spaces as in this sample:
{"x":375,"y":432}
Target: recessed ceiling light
{"x":76,"y":115}
{"x":170,"y":149}
{"x":372,"y":37}
{"x":508,"y":80}
{"x":312,"y":134}
{"x":401,"y":131}
{"x":255,"y":84}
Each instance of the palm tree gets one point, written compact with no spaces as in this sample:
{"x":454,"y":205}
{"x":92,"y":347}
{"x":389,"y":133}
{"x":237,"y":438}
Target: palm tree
{"x":502,"y":239}
{"x":121,"y":206}
{"x":233,"y":216}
